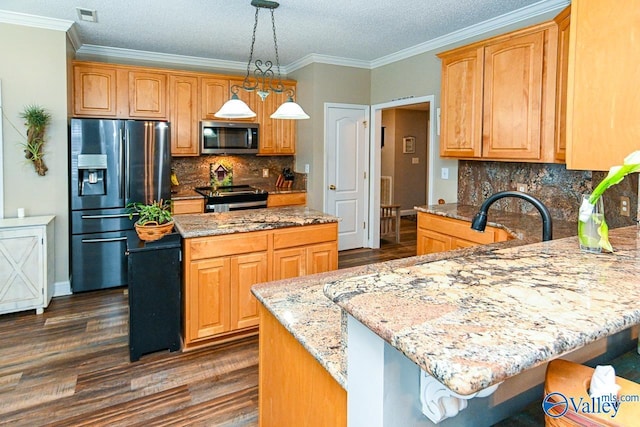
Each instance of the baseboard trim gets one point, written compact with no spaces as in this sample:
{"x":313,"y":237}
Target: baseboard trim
{"x":62,"y":288}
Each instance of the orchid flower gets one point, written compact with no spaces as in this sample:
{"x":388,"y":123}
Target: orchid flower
{"x":616,"y":175}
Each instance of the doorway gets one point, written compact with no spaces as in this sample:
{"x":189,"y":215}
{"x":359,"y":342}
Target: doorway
{"x":408,"y":154}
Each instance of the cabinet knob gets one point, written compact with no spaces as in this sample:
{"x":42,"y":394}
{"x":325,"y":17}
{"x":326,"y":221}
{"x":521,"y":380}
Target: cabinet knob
{"x":332,"y":187}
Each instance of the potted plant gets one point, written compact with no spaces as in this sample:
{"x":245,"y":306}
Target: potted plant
{"x":154,"y":219}
{"x":36,"y":119}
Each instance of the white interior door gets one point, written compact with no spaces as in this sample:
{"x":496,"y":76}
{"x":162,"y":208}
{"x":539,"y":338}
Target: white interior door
{"x":346,"y":191}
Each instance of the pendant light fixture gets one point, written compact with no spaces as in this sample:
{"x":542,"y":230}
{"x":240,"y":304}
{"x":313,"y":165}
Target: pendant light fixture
{"x":264,"y":80}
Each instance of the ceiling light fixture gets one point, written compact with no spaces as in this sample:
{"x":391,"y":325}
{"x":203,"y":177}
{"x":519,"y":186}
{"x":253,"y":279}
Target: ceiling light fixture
{"x":264,"y":80}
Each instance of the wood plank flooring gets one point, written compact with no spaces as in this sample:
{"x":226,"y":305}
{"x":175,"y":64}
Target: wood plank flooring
{"x":70,"y":366}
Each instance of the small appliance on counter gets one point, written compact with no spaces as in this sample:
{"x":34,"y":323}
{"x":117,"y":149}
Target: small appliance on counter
{"x":233,"y":198}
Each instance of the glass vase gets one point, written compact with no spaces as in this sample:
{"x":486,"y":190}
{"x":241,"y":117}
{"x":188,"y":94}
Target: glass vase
{"x":589,"y":221}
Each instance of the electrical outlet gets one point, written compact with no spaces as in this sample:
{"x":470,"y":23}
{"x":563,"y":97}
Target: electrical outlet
{"x":624,"y":206}
{"x":415,"y":160}
{"x":265,"y":173}
{"x":444,"y":173}
{"x":306,"y":168}
{"x":522,"y":187}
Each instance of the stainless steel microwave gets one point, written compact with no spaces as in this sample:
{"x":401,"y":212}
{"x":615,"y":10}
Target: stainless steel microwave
{"x":228,"y":138}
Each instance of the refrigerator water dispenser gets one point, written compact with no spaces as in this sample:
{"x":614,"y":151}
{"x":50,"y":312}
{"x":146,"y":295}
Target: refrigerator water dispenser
{"x":92,"y":170}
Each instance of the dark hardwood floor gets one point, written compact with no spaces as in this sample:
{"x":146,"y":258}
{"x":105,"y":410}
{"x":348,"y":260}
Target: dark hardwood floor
{"x":70,"y":366}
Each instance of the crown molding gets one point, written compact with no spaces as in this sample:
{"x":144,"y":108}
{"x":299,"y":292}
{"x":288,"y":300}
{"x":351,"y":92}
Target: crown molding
{"x":34,"y":21}
{"x":537,"y":9}
{"x":116,"y":53}
{"x":326,"y":59}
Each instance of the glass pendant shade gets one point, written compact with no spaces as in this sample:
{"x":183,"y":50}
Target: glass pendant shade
{"x":290,"y":110}
{"x":235,"y":109}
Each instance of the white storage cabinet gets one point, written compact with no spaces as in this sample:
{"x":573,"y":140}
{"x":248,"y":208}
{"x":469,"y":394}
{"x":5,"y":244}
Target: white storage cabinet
{"x":26,"y":263}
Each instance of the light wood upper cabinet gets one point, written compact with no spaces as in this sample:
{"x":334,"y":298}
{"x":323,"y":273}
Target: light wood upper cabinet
{"x":183,"y":115}
{"x":277,"y":136}
{"x":603,"y":108}
{"x":498,"y":97}
{"x":563,"y":20}
{"x":513,"y":98}
{"x":217,"y":91}
{"x":147,"y":95}
{"x":94,"y":91}
{"x":461,"y":105}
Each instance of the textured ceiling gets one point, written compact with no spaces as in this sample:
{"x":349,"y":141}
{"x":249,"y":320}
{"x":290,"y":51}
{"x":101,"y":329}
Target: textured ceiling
{"x":363,"y":30}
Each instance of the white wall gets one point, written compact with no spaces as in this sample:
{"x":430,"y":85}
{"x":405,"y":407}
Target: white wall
{"x":33,"y":70}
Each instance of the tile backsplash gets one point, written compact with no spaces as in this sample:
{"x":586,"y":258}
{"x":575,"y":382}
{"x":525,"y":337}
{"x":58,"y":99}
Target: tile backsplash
{"x":558,"y":188}
{"x":247,"y":169}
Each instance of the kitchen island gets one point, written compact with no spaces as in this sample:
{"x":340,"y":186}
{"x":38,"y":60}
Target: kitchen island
{"x":226,"y":253}
{"x":395,"y":301}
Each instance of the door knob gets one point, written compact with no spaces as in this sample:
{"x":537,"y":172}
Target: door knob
{"x":332,"y":187}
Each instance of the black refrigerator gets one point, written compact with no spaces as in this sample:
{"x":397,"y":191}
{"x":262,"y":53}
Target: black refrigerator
{"x":112,"y":163}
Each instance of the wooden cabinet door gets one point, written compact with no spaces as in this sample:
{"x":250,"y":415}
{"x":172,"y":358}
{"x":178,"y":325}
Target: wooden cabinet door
{"x":217,"y":91}
{"x":246,"y":271}
{"x":277,"y":136}
{"x":431,"y":241}
{"x":603,"y":109}
{"x":512,"y":111}
{"x":461,"y":117}
{"x":214,"y":93}
{"x":321,"y":258}
{"x":147,"y":95}
{"x":183,"y":115}
{"x":563,"y":20}
{"x":94,"y":91}
{"x":288,"y":263}
{"x":286,"y":199}
{"x":208,"y":298}
{"x":461,"y":243}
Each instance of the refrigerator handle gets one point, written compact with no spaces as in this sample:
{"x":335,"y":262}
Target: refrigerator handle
{"x":127,"y":138}
{"x":122,"y":160}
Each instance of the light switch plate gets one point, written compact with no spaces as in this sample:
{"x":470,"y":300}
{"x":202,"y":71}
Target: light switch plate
{"x":265,"y":173}
{"x":415,"y":160}
{"x":444,"y":173}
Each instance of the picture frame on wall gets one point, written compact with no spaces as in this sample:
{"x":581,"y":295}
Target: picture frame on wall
{"x":408,"y":144}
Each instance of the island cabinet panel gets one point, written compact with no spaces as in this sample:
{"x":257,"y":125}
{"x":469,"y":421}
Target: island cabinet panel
{"x":94,"y":91}
{"x":188,"y":206}
{"x":603,"y":74}
{"x":183,"y":115}
{"x":498,"y":97}
{"x":209,"y":298}
{"x":295,"y":390}
{"x":438,"y":234}
{"x":220,"y":271}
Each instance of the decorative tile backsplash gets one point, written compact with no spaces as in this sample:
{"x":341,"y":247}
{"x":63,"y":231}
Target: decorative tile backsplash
{"x":558,"y":188}
{"x":247,"y":169}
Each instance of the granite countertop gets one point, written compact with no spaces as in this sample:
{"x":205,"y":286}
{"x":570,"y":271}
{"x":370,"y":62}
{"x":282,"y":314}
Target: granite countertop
{"x":316,"y":322}
{"x":215,"y":224}
{"x":185,"y":194}
{"x":475,"y":320}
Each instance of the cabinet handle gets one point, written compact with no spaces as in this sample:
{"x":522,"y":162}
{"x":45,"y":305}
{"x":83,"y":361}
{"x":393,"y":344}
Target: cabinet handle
{"x":113,"y":239}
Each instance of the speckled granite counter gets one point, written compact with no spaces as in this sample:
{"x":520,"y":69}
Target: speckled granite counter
{"x":475,"y":320}
{"x":303,"y":309}
{"x":185,"y":194}
{"x":524,"y":227}
{"x":215,"y":224}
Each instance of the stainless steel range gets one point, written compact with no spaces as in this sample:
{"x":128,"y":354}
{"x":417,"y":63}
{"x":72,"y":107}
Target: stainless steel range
{"x":233,"y":198}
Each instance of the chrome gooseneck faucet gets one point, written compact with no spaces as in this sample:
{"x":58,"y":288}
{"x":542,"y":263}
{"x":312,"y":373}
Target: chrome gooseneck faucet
{"x":480,"y":220}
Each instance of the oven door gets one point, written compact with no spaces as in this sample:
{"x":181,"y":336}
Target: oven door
{"x":237,"y":206}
